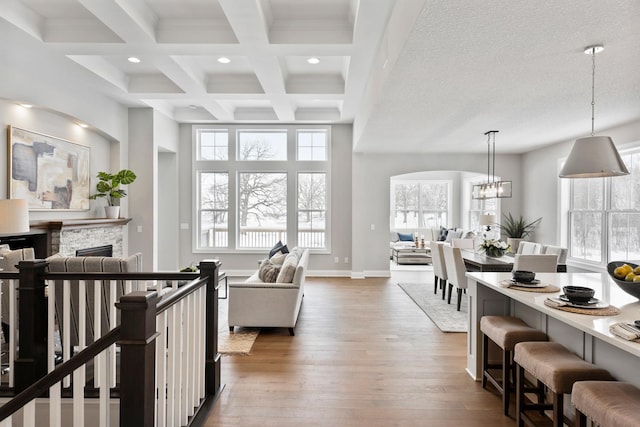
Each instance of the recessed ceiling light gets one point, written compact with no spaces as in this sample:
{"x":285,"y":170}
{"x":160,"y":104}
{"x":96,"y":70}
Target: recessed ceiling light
{"x":133,"y":59}
{"x":313,"y":60}
{"x":83,"y":125}
{"x":224,"y":60}
{"x":26,"y":105}
{"x":193,"y":107}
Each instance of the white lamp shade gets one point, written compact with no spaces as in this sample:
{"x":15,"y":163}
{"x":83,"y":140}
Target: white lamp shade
{"x":593,"y":157}
{"x":487,"y":219}
{"x":14,"y":216}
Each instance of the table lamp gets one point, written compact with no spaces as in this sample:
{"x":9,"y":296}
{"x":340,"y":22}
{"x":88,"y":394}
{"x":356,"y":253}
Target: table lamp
{"x":14,"y":216}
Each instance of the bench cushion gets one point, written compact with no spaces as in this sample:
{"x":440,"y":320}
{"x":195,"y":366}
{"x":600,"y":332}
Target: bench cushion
{"x":607,"y":403}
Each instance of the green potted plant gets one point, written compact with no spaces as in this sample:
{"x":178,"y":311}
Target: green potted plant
{"x":108,"y":187}
{"x":516,"y":229}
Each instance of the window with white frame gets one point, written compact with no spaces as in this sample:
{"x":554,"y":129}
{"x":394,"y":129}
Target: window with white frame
{"x":255,"y":194}
{"x":604,"y":216}
{"x":420,"y":204}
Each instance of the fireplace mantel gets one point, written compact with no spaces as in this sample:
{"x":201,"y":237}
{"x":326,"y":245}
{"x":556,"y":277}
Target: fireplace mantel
{"x":79,"y":223}
{"x":65,"y":236}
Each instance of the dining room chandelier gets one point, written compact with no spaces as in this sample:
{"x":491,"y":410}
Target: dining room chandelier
{"x":593,"y":156}
{"x":491,"y":189}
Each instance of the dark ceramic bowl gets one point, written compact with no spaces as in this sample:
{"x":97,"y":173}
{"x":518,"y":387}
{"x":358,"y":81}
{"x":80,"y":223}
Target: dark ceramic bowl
{"x":523,"y":276}
{"x":578,"y":293}
{"x":632,"y":288}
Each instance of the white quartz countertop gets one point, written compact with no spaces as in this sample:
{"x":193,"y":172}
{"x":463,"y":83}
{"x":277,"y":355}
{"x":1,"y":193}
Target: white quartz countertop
{"x":605,"y":290}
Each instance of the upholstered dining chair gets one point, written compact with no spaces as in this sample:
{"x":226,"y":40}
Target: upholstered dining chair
{"x":538,"y":263}
{"x":556,"y":250}
{"x":439,"y":269}
{"x":462,"y":243}
{"x":529,"y":248}
{"x":456,"y":272}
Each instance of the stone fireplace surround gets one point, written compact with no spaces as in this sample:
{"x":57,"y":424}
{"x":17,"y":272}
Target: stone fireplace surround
{"x":66,"y":236}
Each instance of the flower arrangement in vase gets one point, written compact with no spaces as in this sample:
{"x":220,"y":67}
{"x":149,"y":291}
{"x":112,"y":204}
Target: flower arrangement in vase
{"x":494,"y":248}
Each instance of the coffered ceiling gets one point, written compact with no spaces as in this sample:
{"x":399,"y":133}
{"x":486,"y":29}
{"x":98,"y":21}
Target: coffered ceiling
{"x":412,"y":75}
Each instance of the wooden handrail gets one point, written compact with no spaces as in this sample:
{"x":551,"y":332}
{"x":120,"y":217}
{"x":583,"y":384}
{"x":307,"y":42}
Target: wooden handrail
{"x":55,"y":376}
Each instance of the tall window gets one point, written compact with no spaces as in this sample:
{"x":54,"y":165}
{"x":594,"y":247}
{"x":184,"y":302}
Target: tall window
{"x":604,"y":216}
{"x":312,"y":209}
{"x":253,"y":190}
{"x":262,"y":209}
{"x":420,"y":204}
{"x":214,"y":210}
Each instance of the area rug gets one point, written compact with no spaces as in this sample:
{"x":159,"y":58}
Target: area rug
{"x":445,"y":316}
{"x":238,"y":342}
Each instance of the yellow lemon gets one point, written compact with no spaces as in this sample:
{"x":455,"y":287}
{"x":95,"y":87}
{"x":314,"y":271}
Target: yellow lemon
{"x":637,"y":270}
{"x":621,"y":272}
{"x":637,"y":278}
{"x":630,"y":277}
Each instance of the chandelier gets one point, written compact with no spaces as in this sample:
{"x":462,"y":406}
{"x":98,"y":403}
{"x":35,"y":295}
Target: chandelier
{"x":491,"y":189}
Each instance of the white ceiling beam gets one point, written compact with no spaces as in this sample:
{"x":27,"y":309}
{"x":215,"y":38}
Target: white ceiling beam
{"x":132,"y":21}
{"x":22,"y":17}
{"x":247,"y":19}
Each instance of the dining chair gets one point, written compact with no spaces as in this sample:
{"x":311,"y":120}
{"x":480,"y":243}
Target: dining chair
{"x":529,"y":248}
{"x":439,"y":269}
{"x":537,"y":263}
{"x":456,"y":272}
{"x":557,"y":250}
{"x":462,"y":243}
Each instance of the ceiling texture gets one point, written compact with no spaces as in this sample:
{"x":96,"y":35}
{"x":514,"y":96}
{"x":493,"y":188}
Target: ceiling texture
{"x":413,"y":76}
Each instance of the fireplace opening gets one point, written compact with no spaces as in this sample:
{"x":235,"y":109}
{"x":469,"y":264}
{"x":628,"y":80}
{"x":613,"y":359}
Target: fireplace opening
{"x":106,"y":250}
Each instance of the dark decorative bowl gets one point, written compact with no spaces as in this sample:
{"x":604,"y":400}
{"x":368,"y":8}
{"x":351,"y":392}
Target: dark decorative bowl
{"x":578,"y":293}
{"x":523,"y":276}
{"x":632,"y":288}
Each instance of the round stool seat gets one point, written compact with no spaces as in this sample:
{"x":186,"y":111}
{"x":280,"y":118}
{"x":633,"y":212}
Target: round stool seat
{"x":555,"y":366}
{"x":507,"y":331}
{"x":607,"y":403}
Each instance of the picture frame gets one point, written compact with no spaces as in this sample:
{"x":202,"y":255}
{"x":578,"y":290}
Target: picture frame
{"x":51,"y":173}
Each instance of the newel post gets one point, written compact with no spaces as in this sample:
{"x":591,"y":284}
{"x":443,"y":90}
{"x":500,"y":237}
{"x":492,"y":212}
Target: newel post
{"x":210,"y":268}
{"x":138,"y":358}
{"x":31,"y":364}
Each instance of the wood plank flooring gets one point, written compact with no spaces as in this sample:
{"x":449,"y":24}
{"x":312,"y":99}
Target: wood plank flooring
{"x":363,"y":355}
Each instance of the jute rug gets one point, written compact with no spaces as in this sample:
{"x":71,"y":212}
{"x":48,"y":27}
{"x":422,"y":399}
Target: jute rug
{"x":445,"y":316}
{"x":238,"y":342}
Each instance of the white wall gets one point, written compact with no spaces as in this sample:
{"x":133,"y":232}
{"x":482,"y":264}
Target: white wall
{"x":371,"y":192}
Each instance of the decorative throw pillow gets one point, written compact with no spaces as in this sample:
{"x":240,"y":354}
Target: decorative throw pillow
{"x":443,"y":234}
{"x":268,"y":272}
{"x":405,"y":237}
{"x":278,"y":258}
{"x":453,"y":234}
{"x":288,"y":269}
{"x":279,"y":247}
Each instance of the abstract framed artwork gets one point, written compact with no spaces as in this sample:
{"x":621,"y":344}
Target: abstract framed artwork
{"x":49,"y":172}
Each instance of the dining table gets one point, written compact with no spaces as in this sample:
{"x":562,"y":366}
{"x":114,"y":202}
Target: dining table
{"x":478,"y":261}
{"x":584,"y":331}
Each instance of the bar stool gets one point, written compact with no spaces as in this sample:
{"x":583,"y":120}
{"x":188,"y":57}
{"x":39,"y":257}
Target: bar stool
{"x":607,"y":403}
{"x":505,"y":332}
{"x":557,"y":368}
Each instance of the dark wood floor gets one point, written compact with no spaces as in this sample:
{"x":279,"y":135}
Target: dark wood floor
{"x":363,"y":355}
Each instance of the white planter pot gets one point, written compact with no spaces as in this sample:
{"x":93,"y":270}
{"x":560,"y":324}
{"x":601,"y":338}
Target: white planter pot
{"x":514,"y":243}
{"x":112,"y":212}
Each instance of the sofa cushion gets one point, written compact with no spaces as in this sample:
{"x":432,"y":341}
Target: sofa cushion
{"x":278,"y":259}
{"x":393,"y":236}
{"x":268,"y":272}
{"x":288,"y":269}
{"x":405,"y":237}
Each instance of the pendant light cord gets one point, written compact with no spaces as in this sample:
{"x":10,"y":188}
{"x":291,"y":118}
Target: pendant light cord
{"x":593,"y":90}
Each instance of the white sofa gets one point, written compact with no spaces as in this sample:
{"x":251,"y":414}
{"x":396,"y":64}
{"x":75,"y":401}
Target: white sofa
{"x":255,"y":303}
